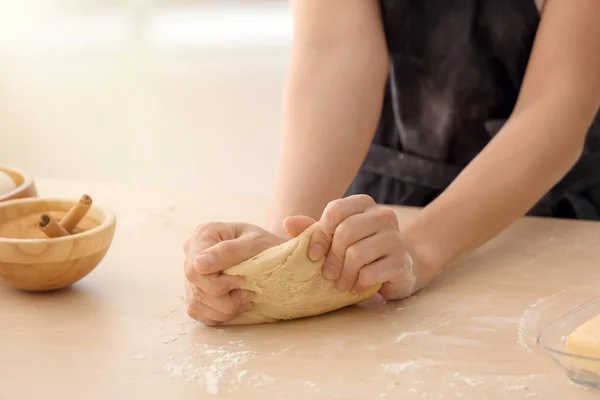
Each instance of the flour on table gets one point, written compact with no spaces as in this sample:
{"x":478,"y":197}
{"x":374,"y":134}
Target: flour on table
{"x":529,"y":318}
{"x":211,"y":369}
{"x":411,"y":365}
{"x":469,"y":381}
{"x":407,"y":335}
{"x":139,"y":357}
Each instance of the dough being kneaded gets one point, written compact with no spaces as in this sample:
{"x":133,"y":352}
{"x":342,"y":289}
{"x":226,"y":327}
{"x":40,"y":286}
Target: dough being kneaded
{"x":288,"y":285}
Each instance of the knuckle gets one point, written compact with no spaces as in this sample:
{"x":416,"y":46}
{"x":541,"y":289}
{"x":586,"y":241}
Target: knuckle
{"x":354,"y":257}
{"x":363,"y":198}
{"x":334,"y":262}
{"x":365,"y":278}
{"x":207,"y":228}
{"x":394,"y":239}
{"x":191,"y":309}
{"x":385,"y":214}
{"x":219,"y":288}
{"x":221,"y":249}
{"x":230,"y":308}
{"x":190,"y":273}
{"x":210,"y":285}
{"x":334,"y":210}
{"x":343,"y":235}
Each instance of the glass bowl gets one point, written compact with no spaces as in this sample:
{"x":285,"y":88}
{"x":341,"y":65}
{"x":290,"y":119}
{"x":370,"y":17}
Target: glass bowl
{"x":553,"y":339}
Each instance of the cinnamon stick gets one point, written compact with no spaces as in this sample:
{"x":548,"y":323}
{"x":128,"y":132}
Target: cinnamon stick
{"x":76,"y":213}
{"x":50,"y":227}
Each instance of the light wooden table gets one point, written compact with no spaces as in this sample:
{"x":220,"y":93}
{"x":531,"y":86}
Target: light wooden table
{"x":122,"y":332}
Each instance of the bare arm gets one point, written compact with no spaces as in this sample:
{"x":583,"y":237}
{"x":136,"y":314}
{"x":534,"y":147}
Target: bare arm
{"x":332,"y":103}
{"x":539,"y":144}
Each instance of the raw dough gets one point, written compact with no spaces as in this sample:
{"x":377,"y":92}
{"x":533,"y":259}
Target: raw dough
{"x":288,"y":285}
{"x":6,"y":183}
{"x":585,"y":341}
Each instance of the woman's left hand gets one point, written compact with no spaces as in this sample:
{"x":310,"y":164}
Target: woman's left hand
{"x":367,"y":248}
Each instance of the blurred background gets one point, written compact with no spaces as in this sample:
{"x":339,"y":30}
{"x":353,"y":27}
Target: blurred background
{"x":148,"y":92}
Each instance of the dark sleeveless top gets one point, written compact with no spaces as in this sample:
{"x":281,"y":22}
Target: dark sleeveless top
{"x":456,"y":67}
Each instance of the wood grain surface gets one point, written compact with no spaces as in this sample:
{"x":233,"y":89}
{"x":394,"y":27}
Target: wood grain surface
{"x":122,"y":332}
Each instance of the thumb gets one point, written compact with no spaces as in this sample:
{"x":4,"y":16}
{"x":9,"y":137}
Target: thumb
{"x":294,"y":226}
{"x":319,"y":241}
{"x":319,"y":245}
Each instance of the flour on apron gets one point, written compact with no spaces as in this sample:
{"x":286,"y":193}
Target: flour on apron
{"x":456,"y":67}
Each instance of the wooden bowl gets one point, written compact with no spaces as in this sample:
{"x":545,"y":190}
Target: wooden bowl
{"x":25,"y":185}
{"x":39,"y":263}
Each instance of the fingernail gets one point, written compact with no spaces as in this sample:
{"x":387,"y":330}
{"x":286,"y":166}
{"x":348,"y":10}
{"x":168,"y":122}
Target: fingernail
{"x":328,"y":272}
{"x":203,"y":261}
{"x":316,"y":252}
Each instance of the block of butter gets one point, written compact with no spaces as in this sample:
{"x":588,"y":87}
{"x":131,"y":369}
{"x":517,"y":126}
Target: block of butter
{"x":585,"y":341}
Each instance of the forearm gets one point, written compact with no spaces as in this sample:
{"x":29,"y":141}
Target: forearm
{"x":533,"y":151}
{"x":332,"y":104}
{"x":542,"y":140}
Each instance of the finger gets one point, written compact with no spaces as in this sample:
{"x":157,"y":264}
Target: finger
{"x":225,"y":254}
{"x":229,"y":304}
{"x":214,"y":284}
{"x":196,"y":315}
{"x":207,"y":311}
{"x":394,"y":272}
{"x":403,"y":284}
{"x":335,"y":213}
{"x":206,"y":236}
{"x":353,"y":229}
{"x":193,"y":309}
{"x":197,"y":311}
{"x":338,"y":210}
{"x":295,"y":225}
{"x":365,"y":252}
{"x":319,"y":241}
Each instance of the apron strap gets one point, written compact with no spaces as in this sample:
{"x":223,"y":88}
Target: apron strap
{"x":409,"y":168}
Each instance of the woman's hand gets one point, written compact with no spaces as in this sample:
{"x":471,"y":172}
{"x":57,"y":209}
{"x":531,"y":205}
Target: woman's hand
{"x":366,"y":248}
{"x":212,"y":297}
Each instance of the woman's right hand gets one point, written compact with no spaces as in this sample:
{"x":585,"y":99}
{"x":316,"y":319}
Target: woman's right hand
{"x":213,"y":297}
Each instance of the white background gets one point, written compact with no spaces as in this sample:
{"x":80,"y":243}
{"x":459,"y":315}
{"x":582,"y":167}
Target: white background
{"x":153,"y":93}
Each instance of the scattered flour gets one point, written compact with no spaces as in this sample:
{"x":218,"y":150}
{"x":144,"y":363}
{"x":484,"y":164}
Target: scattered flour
{"x":170,"y":339}
{"x":139,"y":357}
{"x":407,"y":335}
{"x":469,"y":381}
{"x":529,"y":317}
{"x":516,"y":388}
{"x":411,"y":365}
{"x":215,"y":363}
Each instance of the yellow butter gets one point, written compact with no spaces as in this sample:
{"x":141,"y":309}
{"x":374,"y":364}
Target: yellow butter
{"x":585,"y":341}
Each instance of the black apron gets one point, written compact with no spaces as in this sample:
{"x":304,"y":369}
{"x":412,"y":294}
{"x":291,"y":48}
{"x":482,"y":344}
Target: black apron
{"x":456,"y":67}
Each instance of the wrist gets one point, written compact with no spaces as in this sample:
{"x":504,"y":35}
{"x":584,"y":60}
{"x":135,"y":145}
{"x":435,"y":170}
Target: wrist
{"x":430,"y":255}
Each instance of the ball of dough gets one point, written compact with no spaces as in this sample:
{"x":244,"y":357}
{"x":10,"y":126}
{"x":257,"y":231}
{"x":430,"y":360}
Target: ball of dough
{"x":6,"y":183}
{"x":288,"y":285}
